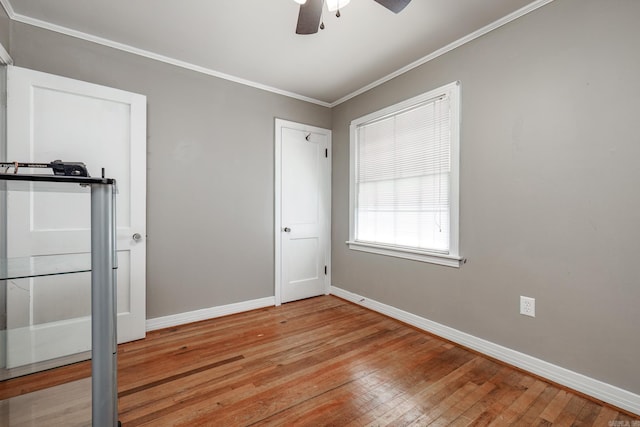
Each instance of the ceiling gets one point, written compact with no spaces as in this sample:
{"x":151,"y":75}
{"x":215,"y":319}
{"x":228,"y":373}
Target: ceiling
{"x":254,"y":41}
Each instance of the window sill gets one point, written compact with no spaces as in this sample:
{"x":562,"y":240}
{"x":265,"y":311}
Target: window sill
{"x":398,"y":252}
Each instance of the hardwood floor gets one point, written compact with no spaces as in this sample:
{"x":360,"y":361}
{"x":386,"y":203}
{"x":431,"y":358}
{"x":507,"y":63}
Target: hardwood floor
{"x":321,"y":361}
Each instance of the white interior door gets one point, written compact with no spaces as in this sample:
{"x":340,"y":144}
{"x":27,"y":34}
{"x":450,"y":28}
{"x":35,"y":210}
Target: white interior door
{"x":303,"y":183}
{"x":49,"y":118}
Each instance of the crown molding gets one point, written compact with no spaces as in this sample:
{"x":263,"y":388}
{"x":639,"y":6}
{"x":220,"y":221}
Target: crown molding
{"x":183,"y":64}
{"x":5,"y":58}
{"x":8,"y":8}
{"x":451,"y":46}
{"x":152,"y":55}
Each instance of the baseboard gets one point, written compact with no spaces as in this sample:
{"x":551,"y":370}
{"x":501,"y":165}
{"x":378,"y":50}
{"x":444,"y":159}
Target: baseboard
{"x":208,"y":313}
{"x":599,"y":390}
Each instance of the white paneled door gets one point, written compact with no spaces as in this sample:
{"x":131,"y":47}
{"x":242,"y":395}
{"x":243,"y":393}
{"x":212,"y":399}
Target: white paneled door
{"x":303,"y":178}
{"x":50,"y":118}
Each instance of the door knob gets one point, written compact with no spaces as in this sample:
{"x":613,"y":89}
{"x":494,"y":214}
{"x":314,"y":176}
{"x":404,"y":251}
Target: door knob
{"x":137,"y":237}
{"x":286,"y":230}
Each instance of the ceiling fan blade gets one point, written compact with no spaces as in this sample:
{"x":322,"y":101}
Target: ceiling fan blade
{"x":309,"y":17}
{"x":394,"y":6}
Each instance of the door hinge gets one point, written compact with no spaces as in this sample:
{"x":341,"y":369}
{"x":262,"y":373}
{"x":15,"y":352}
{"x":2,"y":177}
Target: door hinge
{"x":325,"y":270}
{"x":326,"y":153}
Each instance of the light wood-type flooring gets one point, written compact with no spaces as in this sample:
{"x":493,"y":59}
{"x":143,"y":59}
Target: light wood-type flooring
{"x":321,"y":361}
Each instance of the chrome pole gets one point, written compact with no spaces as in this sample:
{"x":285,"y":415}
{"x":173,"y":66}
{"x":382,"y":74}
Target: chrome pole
{"x":104,"y":404}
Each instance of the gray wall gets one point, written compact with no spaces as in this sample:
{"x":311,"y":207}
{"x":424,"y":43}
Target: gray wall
{"x":5,"y":23}
{"x":549,"y":191}
{"x":210,"y":183}
{"x":549,"y":180}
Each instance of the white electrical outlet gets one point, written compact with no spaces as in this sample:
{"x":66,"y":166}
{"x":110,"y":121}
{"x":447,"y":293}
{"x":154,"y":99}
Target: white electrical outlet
{"x":528,"y":306}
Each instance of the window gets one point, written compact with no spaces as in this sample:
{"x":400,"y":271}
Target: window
{"x":404,"y":179}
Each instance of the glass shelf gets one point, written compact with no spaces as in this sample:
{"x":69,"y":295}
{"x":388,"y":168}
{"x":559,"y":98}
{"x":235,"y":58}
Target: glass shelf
{"x":87,"y":180}
{"x":49,"y":183}
{"x":101,"y":261}
{"x":45,"y":265}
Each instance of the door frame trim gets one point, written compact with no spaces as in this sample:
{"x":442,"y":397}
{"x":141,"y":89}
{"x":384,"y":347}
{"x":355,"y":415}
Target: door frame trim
{"x":19,"y":120}
{"x":279,"y":125}
{"x":5,"y":58}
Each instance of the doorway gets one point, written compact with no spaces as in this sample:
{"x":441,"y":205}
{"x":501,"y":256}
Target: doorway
{"x":51,"y":117}
{"x":302,"y":211}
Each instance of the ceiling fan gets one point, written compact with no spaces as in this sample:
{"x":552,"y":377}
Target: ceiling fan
{"x":310,"y":15}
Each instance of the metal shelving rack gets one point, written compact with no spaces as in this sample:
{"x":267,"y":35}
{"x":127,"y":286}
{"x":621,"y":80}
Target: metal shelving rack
{"x":104,"y":398}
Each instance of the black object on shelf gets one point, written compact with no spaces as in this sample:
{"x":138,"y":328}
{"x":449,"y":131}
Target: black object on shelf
{"x":58,"y":166}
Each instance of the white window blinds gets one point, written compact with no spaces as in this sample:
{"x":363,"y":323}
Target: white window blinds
{"x":403,"y":178}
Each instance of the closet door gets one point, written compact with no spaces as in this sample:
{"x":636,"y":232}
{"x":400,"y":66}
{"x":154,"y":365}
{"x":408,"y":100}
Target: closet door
{"x":303,"y":211}
{"x":50,"y":118}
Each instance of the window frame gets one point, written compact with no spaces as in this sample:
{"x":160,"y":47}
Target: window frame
{"x":452,"y":258}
